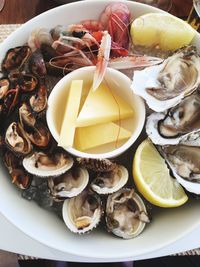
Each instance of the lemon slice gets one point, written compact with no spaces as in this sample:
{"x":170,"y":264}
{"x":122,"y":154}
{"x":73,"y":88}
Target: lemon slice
{"x":152,"y":178}
{"x":163,"y":30}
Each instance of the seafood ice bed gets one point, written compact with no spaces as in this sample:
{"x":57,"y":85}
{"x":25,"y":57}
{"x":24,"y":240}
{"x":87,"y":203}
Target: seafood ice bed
{"x":85,"y":192}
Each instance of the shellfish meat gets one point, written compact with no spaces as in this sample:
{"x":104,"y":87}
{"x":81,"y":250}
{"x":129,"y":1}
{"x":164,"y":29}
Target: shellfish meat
{"x":165,"y":85}
{"x":68,"y":185}
{"x":83,"y":212}
{"x":126,"y":214}
{"x":110,"y":182}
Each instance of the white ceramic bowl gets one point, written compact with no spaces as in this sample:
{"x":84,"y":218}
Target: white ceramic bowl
{"x":120,"y":83}
{"x":168,"y":225}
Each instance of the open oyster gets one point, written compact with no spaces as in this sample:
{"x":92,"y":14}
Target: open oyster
{"x":184,"y":161}
{"x":110,"y":182}
{"x":16,"y":139}
{"x":68,"y":185}
{"x":171,"y":127}
{"x":44,"y":165}
{"x":126,"y":214}
{"x":163,"y":86}
{"x":83,"y":212}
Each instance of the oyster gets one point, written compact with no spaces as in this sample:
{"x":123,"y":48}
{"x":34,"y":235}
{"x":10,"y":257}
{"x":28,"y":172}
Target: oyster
{"x":110,"y":182}
{"x":184,"y":161}
{"x":176,"y":123}
{"x":126,"y":214}
{"x":83,"y":212}
{"x":16,"y":139}
{"x":68,"y":185}
{"x":44,"y":165}
{"x":165,"y":85}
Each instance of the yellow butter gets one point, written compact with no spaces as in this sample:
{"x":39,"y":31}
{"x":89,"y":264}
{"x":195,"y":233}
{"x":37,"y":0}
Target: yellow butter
{"x":97,"y":135}
{"x":66,"y":138}
{"x":103,"y":106}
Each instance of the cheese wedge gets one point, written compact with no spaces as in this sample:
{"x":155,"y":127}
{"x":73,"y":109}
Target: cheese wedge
{"x":66,"y":138}
{"x":97,"y":135}
{"x":103,"y":106}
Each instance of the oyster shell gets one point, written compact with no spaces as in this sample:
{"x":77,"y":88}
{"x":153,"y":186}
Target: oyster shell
{"x":110,"y":182}
{"x":126,"y":214}
{"x":16,"y":139}
{"x":83,"y":212}
{"x":68,"y":185}
{"x":163,"y":86}
{"x":44,"y":165}
{"x":184,"y":161}
{"x":176,"y":123}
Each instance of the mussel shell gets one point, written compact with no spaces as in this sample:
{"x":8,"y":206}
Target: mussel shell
{"x":10,"y":101}
{"x":38,"y":102}
{"x":82,"y":213}
{"x":37,"y":64}
{"x":4,"y":87}
{"x":26,"y":82}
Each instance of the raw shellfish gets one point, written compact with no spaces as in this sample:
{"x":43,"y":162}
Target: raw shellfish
{"x":83,"y":212}
{"x":126,"y":214}
{"x":110,"y":182}
{"x":68,"y":185}
{"x":44,"y":165}
{"x":165,"y":85}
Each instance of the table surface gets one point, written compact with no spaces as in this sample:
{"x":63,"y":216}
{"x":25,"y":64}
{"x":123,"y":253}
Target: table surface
{"x":12,"y":239}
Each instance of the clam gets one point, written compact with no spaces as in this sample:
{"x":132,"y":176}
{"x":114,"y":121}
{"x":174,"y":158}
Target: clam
{"x":38,"y":101}
{"x":126,"y":214}
{"x":97,"y":165}
{"x":17,"y":140}
{"x":4,"y":86}
{"x":26,"y":82}
{"x":110,"y":182}
{"x":82,"y":213}
{"x":69,"y":184}
{"x":10,"y":101}
{"x":175,"y":124}
{"x":164,"y":86}
{"x":18,"y":175}
{"x":15,"y":58}
{"x":47,"y":165}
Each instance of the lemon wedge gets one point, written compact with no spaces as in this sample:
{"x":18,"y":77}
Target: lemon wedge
{"x":152,"y":178}
{"x":162,"y":30}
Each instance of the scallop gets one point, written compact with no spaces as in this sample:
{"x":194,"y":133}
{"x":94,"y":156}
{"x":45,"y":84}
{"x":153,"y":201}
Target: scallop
{"x":126,"y":214}
{"x":164,"y":86}
{"x":110,"y":182}
{"x":47,"y":165}
{"x":82,"y":213}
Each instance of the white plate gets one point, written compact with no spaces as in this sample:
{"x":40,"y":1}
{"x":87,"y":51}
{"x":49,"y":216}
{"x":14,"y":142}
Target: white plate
{"x":168,"y":225}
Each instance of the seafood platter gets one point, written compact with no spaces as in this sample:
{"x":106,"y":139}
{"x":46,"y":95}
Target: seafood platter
{"x":80,"y":202}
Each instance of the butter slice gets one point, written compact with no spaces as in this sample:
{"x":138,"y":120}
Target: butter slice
{"x":68,"y":127}
{"x":103,"y":106}
{"x":97,"y":135}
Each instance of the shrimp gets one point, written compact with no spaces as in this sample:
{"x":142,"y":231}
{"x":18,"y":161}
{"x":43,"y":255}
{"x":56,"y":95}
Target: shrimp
{"x":39,"y":36}
{"x":102,"y":60}
{"x":116,"y":19}
{"x":133,"y":61}
{"x":92,"y":25}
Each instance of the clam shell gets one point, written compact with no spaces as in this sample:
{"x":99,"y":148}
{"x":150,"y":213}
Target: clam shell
{"x":126,"y":214}
{"x":37,"y":164}
{"x":76,"y":215}
{"x":68,"y":185}
{"x":110,"y":182}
